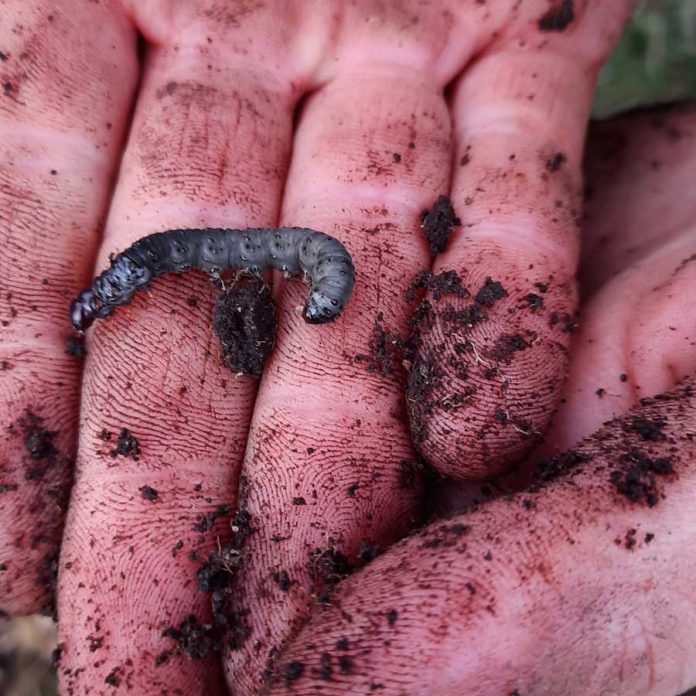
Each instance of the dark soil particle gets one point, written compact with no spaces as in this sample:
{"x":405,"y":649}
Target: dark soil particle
{"x":368,"y":551}
{"x":148,"y":492}
{"x":386,"y":350}
{"x":552,"y":468}
{"x":506,"y":346}
{"x":490,"y":292}
{"x":292,"y":671}
{"x":206,"y":522}
{"x":392,"y":616}
{"x":283,"y":580}
{"x":601,"y":392}
{"x":534,"y":301}
{"x":637,"y":480}
{"x":342,"y":644}
{"x":193,"y":638}
{"x":423,"y":376}
{"x":39,"y":445}
{"x":37,"y":440}
{"x":623,"y":377}
{"x":75,"y":346}
{"x":244,"y":320}
{"x":299,"y":501}
{"x":649,"y":429}
{"x":440,"y":284}
{"x":630,"y":539}
{"x":127,"y":445}
{"x":325,"y":668}
{"x":554,"y":163}
{"x":438,"y":223}
{"x":326,"y":568}
{"x":558,"y":17}
{"x":215,"y":576}
{"x":113,"y":678}
{"x":649,"y":537}
{"x":345,"y":664}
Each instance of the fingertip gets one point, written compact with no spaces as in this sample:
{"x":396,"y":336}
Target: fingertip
{"x":489,"y":368}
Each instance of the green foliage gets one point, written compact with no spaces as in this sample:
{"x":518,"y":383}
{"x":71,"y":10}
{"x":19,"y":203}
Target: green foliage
{"x":655,"y":61}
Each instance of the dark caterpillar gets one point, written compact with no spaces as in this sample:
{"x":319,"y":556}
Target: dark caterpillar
{"x":292,"y":250}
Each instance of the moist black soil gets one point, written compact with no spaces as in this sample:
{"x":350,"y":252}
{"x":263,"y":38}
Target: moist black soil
{"x":39,"y":445}
{"x":649,"y":429}
{"x":490,"y":292}
{"x":192,"y":637}
{"x":637,"y":481}
{"x":444,"y":283}
{"x":552,"y":468}
{"x":127,"y":445}
{"x":149,"y":493}
{"x":292,"y":671}
{"x":215,"y":576}
{"x":438,"y":223}
{"x":244,"y":320}
{"x":558,"y":17}
{"x":206,"y":522}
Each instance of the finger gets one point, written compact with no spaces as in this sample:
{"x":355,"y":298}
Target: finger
{"x":638,"y":328}
{"x":328,"y":473}
{"x":544,"y":592}
{"x":491,"y":365}
{"x":638,"y":231}
{"x":207,"y":147}
{"x":63,"y":112}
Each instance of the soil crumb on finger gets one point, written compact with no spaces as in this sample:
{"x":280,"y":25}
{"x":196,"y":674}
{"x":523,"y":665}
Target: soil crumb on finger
{"x":438,"y":223}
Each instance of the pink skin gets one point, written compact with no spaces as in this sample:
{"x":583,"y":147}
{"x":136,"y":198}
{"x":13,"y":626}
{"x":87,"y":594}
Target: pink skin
{"x":210,"y":144}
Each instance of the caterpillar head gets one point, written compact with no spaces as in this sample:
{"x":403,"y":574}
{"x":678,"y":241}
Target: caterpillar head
{"x":320,"y":308}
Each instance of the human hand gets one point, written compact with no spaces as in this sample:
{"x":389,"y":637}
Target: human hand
{"x":581,"y":583}
{"x":209,"y":146}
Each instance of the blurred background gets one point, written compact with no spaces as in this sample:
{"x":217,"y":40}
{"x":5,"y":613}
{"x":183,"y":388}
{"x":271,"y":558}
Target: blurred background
{"x":655,"y":63}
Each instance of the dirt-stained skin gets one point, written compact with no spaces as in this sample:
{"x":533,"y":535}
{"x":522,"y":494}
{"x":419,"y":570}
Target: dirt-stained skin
{"x":253,"y":114}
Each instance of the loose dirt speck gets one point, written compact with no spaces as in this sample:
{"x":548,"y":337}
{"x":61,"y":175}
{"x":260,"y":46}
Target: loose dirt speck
{"x":127,"y":445}
{"x":148,"y":492}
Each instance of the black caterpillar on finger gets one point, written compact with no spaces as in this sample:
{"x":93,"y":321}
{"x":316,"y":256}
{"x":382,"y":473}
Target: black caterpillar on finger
{"x":292,"y":250}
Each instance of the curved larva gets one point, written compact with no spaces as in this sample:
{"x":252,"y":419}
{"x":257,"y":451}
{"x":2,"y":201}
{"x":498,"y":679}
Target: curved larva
{"x":292,"y":250}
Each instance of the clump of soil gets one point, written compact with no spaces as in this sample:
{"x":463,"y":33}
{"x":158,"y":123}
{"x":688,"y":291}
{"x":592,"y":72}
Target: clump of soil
{"x":244,"y":320}
{"x":637,"y":480}
{"x":127,"y":445}
{"x":39,"y":444}
{"x":192,"y":637}
{"x":438,"y":223}
{"x":326,"y":568}
{"x":229,"y":627}
{"x":439,"y":284}
{"x":552,"y":468}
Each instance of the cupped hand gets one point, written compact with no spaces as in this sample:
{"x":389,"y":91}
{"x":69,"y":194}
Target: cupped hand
{"x":315,"y":114}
